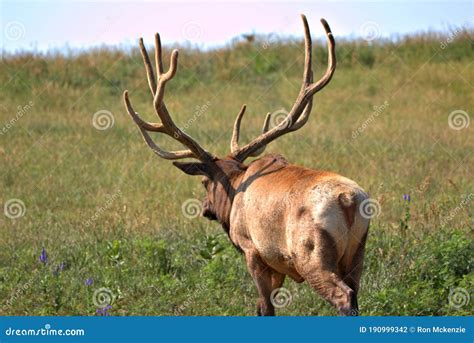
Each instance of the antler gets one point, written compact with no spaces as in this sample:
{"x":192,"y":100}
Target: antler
{"x":234,"y":142}
{"x":300,"y":111}
{"x":167,"y":126}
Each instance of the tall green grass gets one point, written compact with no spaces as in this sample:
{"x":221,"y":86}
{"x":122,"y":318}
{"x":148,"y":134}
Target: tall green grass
{"x":102,"y":204}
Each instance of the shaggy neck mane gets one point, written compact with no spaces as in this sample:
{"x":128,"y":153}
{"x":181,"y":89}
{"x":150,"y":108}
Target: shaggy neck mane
{"x":224,"y":197}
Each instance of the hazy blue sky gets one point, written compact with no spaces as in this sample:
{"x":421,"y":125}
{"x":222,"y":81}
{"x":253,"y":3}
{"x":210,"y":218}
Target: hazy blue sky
{"x":44,"y":25}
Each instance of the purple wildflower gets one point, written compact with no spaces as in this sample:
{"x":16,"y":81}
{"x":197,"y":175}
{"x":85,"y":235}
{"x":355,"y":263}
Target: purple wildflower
{"x":89,"y":281}
{"x":103,"y":311}
{"x":406,"y":197}
{"x":43,"y":257}
{"x":61,"y":266}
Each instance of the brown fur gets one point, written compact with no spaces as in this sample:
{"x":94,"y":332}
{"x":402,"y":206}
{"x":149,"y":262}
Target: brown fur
{"x":268,"y":210}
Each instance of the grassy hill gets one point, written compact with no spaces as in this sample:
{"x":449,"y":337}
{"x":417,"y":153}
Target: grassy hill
{"x":110,"y":214}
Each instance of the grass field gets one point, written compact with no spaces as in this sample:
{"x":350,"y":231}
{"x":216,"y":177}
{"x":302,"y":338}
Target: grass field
{"x":116,"y":221}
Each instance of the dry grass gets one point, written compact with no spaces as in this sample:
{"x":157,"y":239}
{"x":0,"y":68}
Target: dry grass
{"x":65,"y":170}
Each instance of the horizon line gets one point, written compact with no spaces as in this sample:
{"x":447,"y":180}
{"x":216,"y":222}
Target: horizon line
{"x":127,"y":45}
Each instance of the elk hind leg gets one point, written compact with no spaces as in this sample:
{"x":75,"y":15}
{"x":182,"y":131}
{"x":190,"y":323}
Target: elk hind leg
{"x":266,"y":279}
{"x":353,"y":270}
{"x":317,"y":262}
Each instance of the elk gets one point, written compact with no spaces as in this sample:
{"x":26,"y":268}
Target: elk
{"x":287,"y":220}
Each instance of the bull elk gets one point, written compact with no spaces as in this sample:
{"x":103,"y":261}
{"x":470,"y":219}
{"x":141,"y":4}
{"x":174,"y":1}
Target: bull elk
{"x":286,"y":219}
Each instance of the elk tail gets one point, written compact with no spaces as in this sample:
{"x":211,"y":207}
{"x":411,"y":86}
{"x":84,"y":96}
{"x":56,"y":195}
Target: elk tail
{"x":348,"y":204}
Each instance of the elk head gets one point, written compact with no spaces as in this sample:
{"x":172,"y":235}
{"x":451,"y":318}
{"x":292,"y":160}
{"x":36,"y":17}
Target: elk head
{"x":221,"y":175}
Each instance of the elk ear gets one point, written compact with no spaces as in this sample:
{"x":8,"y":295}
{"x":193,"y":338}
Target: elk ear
{"x":194,"y":168}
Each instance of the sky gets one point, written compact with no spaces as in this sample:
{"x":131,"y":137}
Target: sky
{"x":55,"y":25}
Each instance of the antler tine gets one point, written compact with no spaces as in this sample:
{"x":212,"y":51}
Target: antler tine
{"x":301,"y":110}
{"x":266,"y":123}
{"x":163,"y":79}
{"x":304,"y":117}
{"x":266,"y":126}
{"x":167,"y":126}
{"x":307,"y":111}
{"x":331,"y":60}
{"x":165,"y":117}
{"x":308,"y":44}
{"x":158,"y":54}
{"x":149,"y":69}
{"x":145,"y":127}
{"x":234,"y":142}
{"x":154,"y":127}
